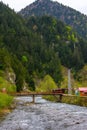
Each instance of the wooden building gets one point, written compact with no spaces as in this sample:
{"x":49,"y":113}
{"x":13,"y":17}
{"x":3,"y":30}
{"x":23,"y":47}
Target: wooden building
{"x":60,"y":90}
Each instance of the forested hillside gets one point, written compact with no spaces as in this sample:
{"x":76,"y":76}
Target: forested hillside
{"x":38,"y":46}
{"x":66,"y":14}
{"x":61,"y":39}
{"x":14,"y":39}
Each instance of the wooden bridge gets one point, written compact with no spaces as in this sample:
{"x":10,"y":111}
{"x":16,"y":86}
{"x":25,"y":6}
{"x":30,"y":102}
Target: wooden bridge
{"x":33,"y":94}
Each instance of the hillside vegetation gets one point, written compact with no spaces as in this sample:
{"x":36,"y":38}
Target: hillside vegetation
{"x":66,"y":14}
{"x":47,"y":84}
{"x":38,"y":46}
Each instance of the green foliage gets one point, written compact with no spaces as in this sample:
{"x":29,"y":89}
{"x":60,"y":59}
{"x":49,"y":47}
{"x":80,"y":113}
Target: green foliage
{"x":78,"y":61}
{"x":76,"y":100}
{"x":66,"y":14}
{"x":81,"y":76}
{"x":7,"y":85}
{"x":61,"y":40}
{"x":4,"y":59}
{"x":47,"y":84}
{"x":38,"y":45}
{"x":24,"y":59}
{"x":5,"y":100}
{"x":20,"y":73}
{"x":30,"y":82}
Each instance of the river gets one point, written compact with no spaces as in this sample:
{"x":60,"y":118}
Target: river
{"x":45,"y":115}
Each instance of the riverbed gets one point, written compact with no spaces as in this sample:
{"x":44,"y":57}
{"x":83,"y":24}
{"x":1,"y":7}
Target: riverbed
{"x":45,"y":115}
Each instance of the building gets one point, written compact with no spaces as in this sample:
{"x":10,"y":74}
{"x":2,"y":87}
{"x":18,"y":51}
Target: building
{"x":83,"y":91}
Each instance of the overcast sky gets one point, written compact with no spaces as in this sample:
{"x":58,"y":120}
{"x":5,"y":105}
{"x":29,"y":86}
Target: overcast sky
{"x":80,"y":5}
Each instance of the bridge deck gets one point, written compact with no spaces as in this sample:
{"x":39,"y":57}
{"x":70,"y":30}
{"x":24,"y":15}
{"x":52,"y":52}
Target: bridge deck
{"x":34,"y":93}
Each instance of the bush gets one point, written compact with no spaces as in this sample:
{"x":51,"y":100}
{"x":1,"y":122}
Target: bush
{"x":76,"y":100}
{"x":7,"y":85}
{"x":5,"y":100}
{"x":47,"y":84}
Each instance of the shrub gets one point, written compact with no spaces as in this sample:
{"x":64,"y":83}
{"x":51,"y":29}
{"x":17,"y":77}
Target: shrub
{"x":47,"y":84}
{"x":5,"y":100}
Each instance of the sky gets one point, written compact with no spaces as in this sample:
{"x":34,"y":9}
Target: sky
{"x":17,"y":5}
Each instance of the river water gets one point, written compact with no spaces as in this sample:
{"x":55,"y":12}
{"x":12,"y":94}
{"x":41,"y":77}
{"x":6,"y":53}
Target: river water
{"x":45,"y":115}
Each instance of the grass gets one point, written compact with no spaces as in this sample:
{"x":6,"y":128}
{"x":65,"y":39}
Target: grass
{"x":69,"y":99}
{"x":5,"y":103}
{"x":75,"y":100}
{"x":7,"y":85}
{"x":5,"y":100}
{"x":50,"y":98}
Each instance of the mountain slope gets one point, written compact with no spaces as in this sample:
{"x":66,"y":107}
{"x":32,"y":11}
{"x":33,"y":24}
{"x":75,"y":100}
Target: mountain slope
{"x":14,"y":38}
{"x":68,"y":15}
{"x":28,"y":55}
{"x":38,"y":46}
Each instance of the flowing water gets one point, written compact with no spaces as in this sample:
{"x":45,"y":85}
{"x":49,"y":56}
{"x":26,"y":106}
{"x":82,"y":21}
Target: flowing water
{"x":45,"y":115}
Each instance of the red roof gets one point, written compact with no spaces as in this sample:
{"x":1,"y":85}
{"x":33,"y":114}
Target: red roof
{"x":83,"y":89}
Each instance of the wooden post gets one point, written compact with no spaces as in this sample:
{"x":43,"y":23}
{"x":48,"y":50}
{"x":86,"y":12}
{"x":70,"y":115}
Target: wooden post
{"x":60,"y":97}
{"x":33,"y":96}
